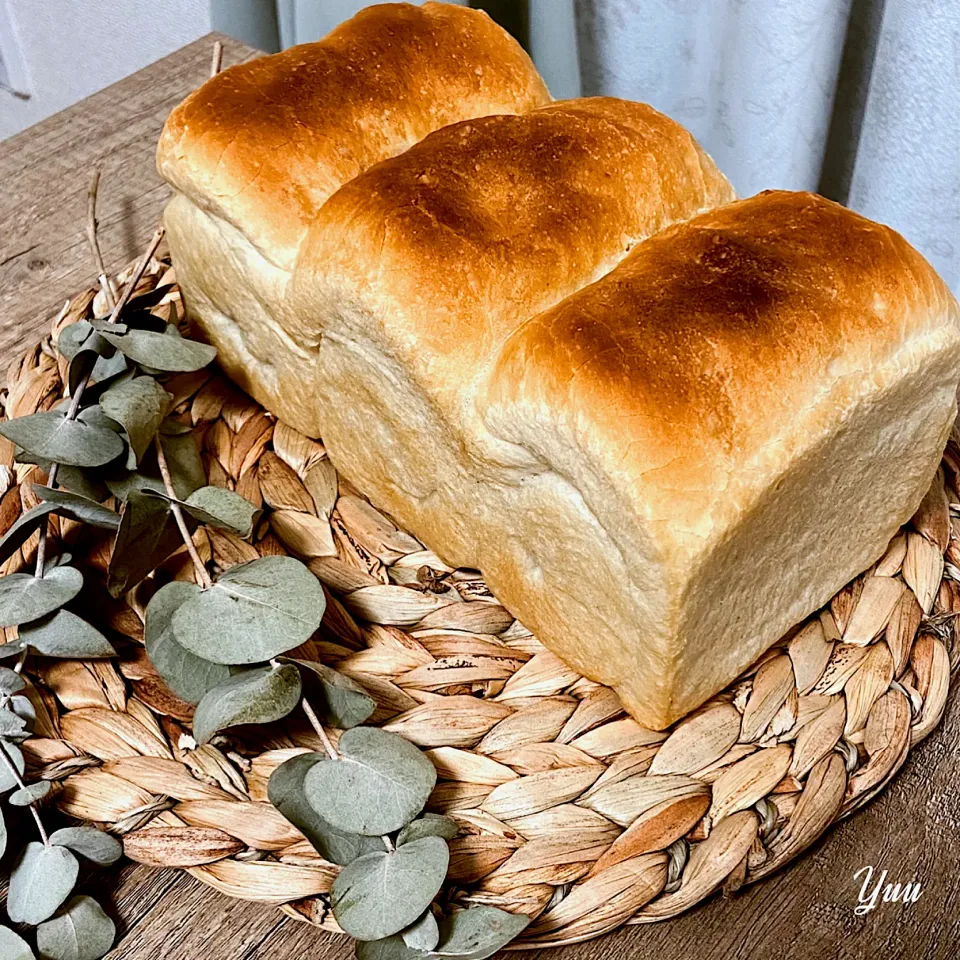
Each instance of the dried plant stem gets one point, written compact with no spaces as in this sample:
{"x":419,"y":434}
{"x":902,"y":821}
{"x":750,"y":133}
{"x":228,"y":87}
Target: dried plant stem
{"x":216,"y":61}
{"x":202,"y":574}
{"x":11,"y":766}
{"x":318,"y":728}
{"x":332,"y":752}
{"x":137,"y":274}
{"x":105,"y":283}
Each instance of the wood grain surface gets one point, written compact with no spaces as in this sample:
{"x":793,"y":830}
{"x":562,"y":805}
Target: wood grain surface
{"x":807,"y":911}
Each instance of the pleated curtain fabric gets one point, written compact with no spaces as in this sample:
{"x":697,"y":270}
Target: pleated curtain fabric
{"x":856,"y":99}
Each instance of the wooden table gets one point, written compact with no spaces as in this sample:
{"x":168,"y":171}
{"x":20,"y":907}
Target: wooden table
{"x":807,"y":911}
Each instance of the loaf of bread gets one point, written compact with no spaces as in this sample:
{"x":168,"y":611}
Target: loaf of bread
{"x":666,"y":426}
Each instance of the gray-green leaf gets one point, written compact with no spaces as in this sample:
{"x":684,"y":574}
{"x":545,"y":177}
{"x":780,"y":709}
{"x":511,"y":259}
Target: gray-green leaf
{"x":219,"y":508}
{"x":78,"y":508}
{"x":254,"y":612}
{"x":89,"y":842}
{"x":139,"y":406}
{"x":24,"y":597}
{"x":381,"y":782}
{"x":72,"y":338}
{"x":478,"y":933}
{"x":285,"y":791}
{"x":380,"y":894}
{"x":183,"y":459}
{"x":3,"y":850}
{"x":53,"y":437}
{"x":389,"y":948}
{"x":80,"y":931}
{"x":7,"y":780}
{"x":24,"y":527}
{"x":429,"y":825}
{"x":161,"y":351}
{"x":424,"y":934}
{"x":10,"y":681}
{"x":30,"y":793}
{"x":12,"y":725}
{"x":42,"y":879}
{"x":64,"y":634}
{"x":148,"y":534}
{"x":260,"y":695}
{"x":224,"y":509}
{"x":340,"y":701}
{"x":187,"y":675}
{"x":13,"y":947}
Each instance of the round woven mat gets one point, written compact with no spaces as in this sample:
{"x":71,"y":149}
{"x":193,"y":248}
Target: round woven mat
{"x":569,"y":810}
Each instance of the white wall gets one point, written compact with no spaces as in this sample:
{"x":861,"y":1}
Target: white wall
{"x":72,"y":48}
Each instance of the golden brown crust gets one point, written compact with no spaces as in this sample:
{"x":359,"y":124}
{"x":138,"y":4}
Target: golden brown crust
{"x":489,"y":221}
{"x":265,"y":143}
{"x":702,"y":348}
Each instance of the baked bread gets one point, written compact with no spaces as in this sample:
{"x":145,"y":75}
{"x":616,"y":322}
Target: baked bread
{"x":553,"y":348}
{"x":257,"y":150}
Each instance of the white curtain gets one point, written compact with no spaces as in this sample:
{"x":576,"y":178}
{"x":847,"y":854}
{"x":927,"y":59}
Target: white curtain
{"x":859,"y":99}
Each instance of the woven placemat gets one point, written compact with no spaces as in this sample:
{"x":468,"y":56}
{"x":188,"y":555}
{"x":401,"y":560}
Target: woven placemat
{"x":569,"y":811}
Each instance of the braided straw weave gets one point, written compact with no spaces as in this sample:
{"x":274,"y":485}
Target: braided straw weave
{"x":569,"y":811}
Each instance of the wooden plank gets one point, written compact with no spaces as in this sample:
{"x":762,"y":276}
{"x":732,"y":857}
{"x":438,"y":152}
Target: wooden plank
{"x":807,"y":911}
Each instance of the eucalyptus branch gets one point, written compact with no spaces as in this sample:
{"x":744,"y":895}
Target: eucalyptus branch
{"x":74,"y":407}
{"x":202,"y":574}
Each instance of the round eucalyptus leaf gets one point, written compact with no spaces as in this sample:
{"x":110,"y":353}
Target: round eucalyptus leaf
{"x":52,"y":436}
{"x":12,"y":648}
{"x":260,"y":695}
{"x":24,"y":528}
{"x":10,"y":681}
{"x":41,"y":880}
{"x":72,"y":338}
{"x":478,"y":933}
{"x":139,"y":406}
{"x":30,"y":793}
{"x":148,"y":534}
{"x":340,"y":701}
{"x":219,"y":508}
{"x":380,"y":894}
{"x":90,"y":843}
{"x":79,"y":931}
{"x":12,"y":725}
{"x":24,"y":709}
{"x":183,"y":459}
{"x":121,"y":483}
{"x":190,"y":677}
{"x":64,"y":634}
{"x":254,"y":612}
{"x":24,"y":597}
{"x":429,"y":825}
{"x":14,"y":947}
{"x":389,"y":948}
{"x":161,"y":351}
{"x":424,"y":934}
{"x":7,"y":780}
{"x":381,"y":782}
{"x":76,"y":507}
{"x":285,"y":792}
{"x":224,"y":509}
